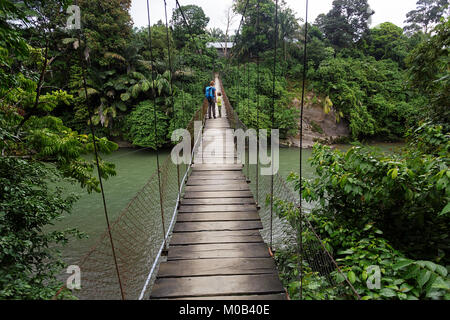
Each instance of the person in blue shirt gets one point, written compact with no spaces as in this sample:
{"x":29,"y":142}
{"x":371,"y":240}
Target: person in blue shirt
{"x":211,"y":96}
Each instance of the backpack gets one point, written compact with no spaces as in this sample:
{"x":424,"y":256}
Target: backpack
{"x":209,"y":92}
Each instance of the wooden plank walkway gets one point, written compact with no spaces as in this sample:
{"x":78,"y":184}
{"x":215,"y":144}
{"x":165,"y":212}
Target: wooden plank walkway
{"x":216,"y":250}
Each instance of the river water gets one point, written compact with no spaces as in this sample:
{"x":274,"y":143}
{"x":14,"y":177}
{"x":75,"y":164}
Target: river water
{"x":134,"y":167}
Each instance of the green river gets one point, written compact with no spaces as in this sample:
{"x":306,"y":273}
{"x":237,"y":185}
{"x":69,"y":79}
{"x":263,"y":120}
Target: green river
{"x":134,"y":167}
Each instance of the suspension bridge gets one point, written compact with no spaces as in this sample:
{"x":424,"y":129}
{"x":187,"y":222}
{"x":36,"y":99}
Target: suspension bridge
{"x":216,"y":249}
{"x":213,"y":224}
{"x":216,"y":236}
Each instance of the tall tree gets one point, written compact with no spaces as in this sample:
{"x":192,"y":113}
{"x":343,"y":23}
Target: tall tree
{"x":230,"y":16}
{"x":427,"y":14}
{"x":196,"y":19}
{"x":253,"y":41}
{"x":107,"y":27}
{"x":37,"y":152}
{"x":346,"y":22}
{"x":288,"y":27}
{"x":387,"y":41}
{"x":429,"y":66}
{"x":217,"y":34}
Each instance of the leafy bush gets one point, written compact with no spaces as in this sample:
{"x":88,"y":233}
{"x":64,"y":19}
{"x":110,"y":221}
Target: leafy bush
{"x":242,"y":93}
{"x":357,"y":251}
{"x":367,"y":203}
{"x":141,"y":126}
{"x":371,"y":95}
{"x":405,"y":194}
{"x":29,"y":256}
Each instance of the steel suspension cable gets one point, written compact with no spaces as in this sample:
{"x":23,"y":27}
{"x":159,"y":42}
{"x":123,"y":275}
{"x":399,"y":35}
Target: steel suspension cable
{"x":247,"y":155}
{"x":240,"y":24}
{"x":257,"y":101}
{"x":156,"y":122}
{"x":187,"y":24}
{"x":183,"y":55}
{"x":305,"y":65}
{"x":99,"y":170}
{"x":171,"y":79}
{"x":273,"y":118}
{"x":248,"y":109}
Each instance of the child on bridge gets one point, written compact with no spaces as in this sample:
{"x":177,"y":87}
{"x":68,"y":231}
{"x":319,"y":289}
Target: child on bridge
{"x":211,"y":96}
{"x":219,"y":104}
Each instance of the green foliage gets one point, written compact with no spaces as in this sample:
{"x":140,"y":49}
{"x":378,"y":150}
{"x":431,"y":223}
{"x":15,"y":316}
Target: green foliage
{"x":368,"y":203}
{"x":427,"y":14}
{"x":142,"y":126}
{"x":316,"y":127}
{"x":404,"y":194}
{"x":38,"y":150}
{"x":429,"y":67}
{"x":346,"y":22}
{"x":196,"y":19}
{"x":258,"y":32}
{"x":107,"y":26}
{"x":319,"y":50}
{"x":185,"y":106}
{"x":315,"y":285}
{"x":387,"y":41}
{"x":29,"y":255}
{"x":356,"y":250}
{"x":370,"y":94}
{"x":244,"y":98}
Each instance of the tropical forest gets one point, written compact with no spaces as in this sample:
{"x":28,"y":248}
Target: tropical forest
{"x":90,"y":101}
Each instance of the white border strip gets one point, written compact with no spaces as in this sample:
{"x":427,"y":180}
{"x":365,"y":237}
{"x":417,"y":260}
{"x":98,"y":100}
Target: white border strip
{"x":173,"y":218}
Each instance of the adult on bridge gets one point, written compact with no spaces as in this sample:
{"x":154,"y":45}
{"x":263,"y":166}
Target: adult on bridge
{"x":211,"y":96}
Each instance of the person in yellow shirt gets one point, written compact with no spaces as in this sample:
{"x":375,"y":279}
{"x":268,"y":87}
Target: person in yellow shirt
{"x":219,"y":104}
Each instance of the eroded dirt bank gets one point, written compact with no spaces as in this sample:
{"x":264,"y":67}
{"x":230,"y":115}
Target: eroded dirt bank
{"x":318,"y":126}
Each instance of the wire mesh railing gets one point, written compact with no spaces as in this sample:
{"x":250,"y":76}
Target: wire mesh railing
{"x":139,"y":227}
{"x":138,"y":236}
{"x":319,"y":274}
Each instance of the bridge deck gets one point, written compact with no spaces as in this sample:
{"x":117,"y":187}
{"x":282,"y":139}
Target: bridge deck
{"x":216,"y":250}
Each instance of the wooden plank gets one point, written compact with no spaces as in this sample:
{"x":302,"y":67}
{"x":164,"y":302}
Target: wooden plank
{"x":217,"y":208}
{"x":218,"y":216}
{"x":217,"y":148}
{"x":217,"y":120}
{"x":217,"y":187}
{"x":215,"y":267}
{"x":217,"y":161}
{"x":225,"y":167}
{"x":217,"y":126}
{"x":218,"y":194}
{"x":209,"y":156}
{"x":217,"y":201}
{"x":219,"y":250}
{"x":216,"y":177}
{"x":217,"y":286}
{"x":217,"y":226}
{"x":206,"y":237}
{"x":197,"y":173}
{"x":219,"y":139}
{"x":219,"y":132}
{"x":203,"y":182}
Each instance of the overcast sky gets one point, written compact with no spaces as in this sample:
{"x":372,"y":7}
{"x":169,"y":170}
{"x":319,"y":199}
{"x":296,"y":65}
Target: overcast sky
{"x":385,"y":10}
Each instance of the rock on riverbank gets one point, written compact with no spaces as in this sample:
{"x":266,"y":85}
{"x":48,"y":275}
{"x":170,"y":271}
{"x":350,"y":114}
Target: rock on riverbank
{"x":318,"y":127}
